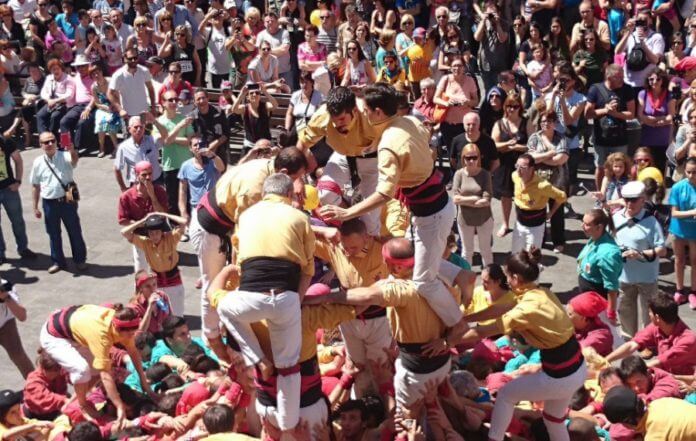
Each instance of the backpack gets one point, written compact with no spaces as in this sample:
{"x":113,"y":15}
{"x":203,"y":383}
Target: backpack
{"x":636,"y":59}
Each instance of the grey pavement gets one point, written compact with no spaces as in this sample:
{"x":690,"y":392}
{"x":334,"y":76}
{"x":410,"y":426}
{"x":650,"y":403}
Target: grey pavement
{"x":110,"y":274}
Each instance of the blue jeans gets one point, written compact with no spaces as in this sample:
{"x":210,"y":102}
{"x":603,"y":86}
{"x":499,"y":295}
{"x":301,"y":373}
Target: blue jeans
{"x":55,"y":212}
{"x":13,"y":206}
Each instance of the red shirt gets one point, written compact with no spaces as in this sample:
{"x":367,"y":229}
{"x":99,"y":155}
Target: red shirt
{"x":167,"y":86}
{"x":596,"y":335}
{"x":676,"y":352}
{"x":43,"y":396}
{"x":132,"y":206}
{"x":663,"y":385}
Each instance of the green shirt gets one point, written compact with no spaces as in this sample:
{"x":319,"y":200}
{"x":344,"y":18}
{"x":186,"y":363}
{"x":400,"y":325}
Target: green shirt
{"x":173,"y":155}
{"x":600,"y":262}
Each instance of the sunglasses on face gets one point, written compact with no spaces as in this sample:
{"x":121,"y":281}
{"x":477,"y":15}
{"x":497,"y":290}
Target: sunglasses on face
{"x":174,"y":72}
{"x":471,"y":158}
{"x":266,"y":49}
{"x":48,"y":141}
{"x":131,"y":58}
{"x":165,"y":19}
{"x":172,"y":100}
{"x":642,"y":159}
{"x":441,"y":16}
{"x":323,"y":17}
{"x":136,"y":127}
{"x":140,"y":25}
{"x":630,"y":200}
{"x":513,"y":107}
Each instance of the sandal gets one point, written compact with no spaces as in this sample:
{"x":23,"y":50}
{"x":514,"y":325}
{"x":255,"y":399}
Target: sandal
{"x":503,"y":232}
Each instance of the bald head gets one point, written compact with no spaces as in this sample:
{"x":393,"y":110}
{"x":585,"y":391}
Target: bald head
{"x":400,"y":248}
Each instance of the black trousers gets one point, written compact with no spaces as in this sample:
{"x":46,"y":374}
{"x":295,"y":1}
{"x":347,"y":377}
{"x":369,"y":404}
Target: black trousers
{"x":171,"y":184}
{"x":81,"y":130}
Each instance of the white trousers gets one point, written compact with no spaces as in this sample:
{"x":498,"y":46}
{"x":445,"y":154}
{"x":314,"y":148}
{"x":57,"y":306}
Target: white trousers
{"x":485,"y":240}
{"x":239,"y":309}
{"x":554,"y":392}
{"x":177,"y":297}
{"x":315,"y":414}
{"x":139,"y":259}
{"x":337,"y":170}
{"x":210,"y":263}
{"x":75,"y":359}
{"x":524,"y":238}
{"x":429,"y":234}
{"x":366,"y":340}
{"x":410,"y":387}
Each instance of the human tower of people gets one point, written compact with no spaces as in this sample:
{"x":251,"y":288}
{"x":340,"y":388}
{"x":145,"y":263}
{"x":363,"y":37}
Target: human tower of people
{"x":337,"y":296}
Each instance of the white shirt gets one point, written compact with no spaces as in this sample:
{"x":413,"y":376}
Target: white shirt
{"x":133,"y":89}
{"x":656,"y":44}
{"x":129,"y":153}
{"x":41,"y":174}
{"x":5,"y":313}
{"x":20,"y":10}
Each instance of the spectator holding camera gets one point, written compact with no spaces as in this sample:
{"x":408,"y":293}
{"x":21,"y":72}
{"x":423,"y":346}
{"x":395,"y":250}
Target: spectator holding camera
{"x":493,"y":45}
{"x":643,"y":47}
{"x":655,"y":112}
{"x":589,"y":24}
{"x":11,"y":311}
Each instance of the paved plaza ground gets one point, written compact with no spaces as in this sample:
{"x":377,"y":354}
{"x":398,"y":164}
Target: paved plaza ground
{"x":110,"y":274}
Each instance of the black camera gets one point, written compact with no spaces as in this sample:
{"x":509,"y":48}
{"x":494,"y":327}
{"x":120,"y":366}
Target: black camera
{"x":490,"y":16}
{"x":641,"y":23}
{"x":562,"y":84}
{"x":675,"y":93}
{"x":5,"y":286}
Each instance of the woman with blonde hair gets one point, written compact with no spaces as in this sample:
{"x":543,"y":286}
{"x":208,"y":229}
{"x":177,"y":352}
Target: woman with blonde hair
{"x":141,"y":40}
{"x":472,"y":190}
{"x":182,"y":50}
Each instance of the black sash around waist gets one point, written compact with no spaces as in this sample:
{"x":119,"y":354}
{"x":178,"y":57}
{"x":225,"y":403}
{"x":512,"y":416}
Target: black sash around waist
{"x":211,"y":217}
{"x":373,"y":312}
{"x":530,"y":218}
{"x":412,"y":358}
{"x":563,"y":360}
{"x":263,"y":274}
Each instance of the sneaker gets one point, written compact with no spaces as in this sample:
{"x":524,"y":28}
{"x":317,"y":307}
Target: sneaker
{"x":680,"y":298}
{"x":692,"y":300}
{"x":28,"y":254}
{"x":54,"y":269}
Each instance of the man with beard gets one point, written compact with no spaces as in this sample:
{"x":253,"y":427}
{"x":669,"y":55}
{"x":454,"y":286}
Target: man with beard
{"x":131,"y":86}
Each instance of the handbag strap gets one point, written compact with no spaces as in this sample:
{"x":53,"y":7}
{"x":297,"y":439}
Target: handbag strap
{"x":48,"y":164}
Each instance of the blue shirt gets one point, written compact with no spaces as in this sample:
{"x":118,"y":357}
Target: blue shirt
{"x":600,"y":262}
{"x":199,"y":181}
{"x":575,"y":99}
{"x":683,"y":197}
{"x":161,"y":349}
{"x":640,"y":233}
{"x":68,"y":24}
{"x":104,"y":7}
{"x":458,"y":260}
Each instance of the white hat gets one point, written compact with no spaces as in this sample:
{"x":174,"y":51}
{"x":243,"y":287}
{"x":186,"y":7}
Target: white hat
{"x":230,"y":4}
{"x":81,"y":60}
{"x":633,"y":189}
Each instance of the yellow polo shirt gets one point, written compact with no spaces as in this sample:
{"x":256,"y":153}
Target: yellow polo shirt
{"x":161,"y":257}
{"x":360,"y":139}
{"x":481,"y":300}
{"x":242,"y":186}
{"x":410,"y":317}
{"x":363,"y":269}
{"x":273,"y":228}
{"x":91,"y":328}
{"x":539,"y":317}
{"x":395,"y":218}
{"x":669,"y":419}
{"x":404,"y":156}
{"x":313,"y":317}
{"x":536,"y":195}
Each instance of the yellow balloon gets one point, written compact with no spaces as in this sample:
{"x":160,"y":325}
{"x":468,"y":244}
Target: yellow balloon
{"x":311,"y":198}
{"x":314,"y":18}
{"x":651,"y":172}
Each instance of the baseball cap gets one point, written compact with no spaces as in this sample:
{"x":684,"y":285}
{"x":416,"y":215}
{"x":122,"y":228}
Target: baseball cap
{"x":9,"y":398}
{"x":633,"y":189}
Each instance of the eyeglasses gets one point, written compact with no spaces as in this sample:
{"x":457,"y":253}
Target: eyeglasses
{"x":471,"y":158}
{"x":131,"y":58}
{"x":48,"y":141}
{"x":172,"y":100}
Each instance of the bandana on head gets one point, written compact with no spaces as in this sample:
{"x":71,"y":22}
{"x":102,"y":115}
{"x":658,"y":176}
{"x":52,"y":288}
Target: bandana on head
{"x":588,"y":304}
{"x":126,"y":325}
{"x":140,"y":281}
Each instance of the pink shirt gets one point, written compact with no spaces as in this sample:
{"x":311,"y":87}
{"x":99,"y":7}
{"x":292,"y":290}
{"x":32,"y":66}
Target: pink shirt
{"x":455,"y":90}
{"x":597,"y":336}
{"x":83,"y":89}
{"x":304,"y":53}
{"x":64,"y":88}
{"x":676,"y":352}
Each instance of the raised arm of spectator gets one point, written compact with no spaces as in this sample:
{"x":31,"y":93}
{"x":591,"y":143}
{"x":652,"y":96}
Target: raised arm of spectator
{"x":129,"y":230}
{"x":238,"y":105}
{"x":480,"y":31}
{"x":272,"y":103}
{"x":173,"y":135}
